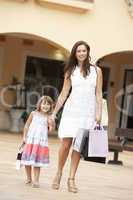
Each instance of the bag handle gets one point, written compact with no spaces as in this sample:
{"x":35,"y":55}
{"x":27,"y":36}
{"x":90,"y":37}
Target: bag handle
{"x":98,"y":127}
{"x":21,"y":146}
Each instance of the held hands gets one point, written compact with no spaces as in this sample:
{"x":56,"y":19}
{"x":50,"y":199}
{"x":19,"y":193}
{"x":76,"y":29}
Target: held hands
{"x":51,"y":124}
{"x":53,"y":117}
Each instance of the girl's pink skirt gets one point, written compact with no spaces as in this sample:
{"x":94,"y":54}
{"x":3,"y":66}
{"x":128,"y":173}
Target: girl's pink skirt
{"x":35,"y":155}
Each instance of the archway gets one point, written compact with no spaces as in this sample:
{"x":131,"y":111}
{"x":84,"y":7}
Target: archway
{"x":118,"y":88}
{"x":33,"y":58}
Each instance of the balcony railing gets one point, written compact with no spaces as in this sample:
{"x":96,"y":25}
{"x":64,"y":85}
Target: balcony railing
{"x":90,"y":1}
{"x":77,"y":5}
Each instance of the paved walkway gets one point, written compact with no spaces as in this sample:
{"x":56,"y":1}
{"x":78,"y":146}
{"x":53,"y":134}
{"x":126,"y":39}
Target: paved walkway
{"x":95,"y":181}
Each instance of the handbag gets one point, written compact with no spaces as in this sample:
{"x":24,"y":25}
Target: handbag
{"x":19,"y":156}
{"x":92,"y":144}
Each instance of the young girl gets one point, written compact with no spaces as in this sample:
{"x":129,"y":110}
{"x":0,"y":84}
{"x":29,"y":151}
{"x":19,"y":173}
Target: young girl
{"x":35,"y":137}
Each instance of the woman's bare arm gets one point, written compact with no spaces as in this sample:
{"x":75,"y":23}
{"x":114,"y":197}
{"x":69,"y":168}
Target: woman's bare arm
{"x":99,"y":95}
{"x":63,"y":95}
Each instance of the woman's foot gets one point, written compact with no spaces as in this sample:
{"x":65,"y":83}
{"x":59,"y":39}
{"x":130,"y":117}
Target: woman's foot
{"x":71,"y":185}
{"x":56,"y":181}
{"x":35,"y":185}
{"x":28,"y":181}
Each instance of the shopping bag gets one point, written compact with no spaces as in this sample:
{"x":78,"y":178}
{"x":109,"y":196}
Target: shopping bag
{"x":81,"y":144}
{"x":19,"y":156}
{"x":98,"y":142}
{"x":81,"y":141}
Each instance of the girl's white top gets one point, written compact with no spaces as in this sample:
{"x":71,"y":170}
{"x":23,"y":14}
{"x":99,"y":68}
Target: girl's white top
{"x":38,"y":130}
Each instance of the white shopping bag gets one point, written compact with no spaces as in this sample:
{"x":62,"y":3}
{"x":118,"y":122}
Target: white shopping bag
{"x":98,"y":142}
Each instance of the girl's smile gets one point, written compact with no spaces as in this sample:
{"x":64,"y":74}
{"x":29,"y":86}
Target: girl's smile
{"x":45,"y":107}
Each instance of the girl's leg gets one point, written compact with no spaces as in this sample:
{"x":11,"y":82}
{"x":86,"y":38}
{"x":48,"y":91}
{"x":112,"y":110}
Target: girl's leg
{"x":75,"y":158}
{"x":62,"y":157}
{"x":36,"y":172}
{"x":28,"y":174}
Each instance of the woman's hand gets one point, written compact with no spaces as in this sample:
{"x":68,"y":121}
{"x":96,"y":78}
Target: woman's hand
{"x":98,"y":120}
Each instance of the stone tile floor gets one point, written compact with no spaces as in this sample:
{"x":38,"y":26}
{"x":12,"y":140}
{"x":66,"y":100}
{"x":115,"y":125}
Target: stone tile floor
{"x":95,"y":181}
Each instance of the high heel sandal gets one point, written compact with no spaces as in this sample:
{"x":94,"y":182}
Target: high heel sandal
{"x":28,"y":182}
{"x":56,"y":182}
{"x":71,"y":185}
{"x":35,"y":185}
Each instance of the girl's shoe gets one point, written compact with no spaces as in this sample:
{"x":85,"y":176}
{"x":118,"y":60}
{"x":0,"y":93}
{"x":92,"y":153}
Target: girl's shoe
{"x":71,"y":185}
{"x":56,"y":182}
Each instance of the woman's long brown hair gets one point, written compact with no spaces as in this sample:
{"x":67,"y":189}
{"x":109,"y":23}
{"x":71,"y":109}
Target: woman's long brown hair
{"x":72,"y":62}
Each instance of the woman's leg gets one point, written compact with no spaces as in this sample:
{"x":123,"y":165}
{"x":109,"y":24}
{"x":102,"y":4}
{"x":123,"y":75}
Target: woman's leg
{"x":28,"y":174}
{"x":62,"y":157}
{"x":75,"y":158}
{"x":63,"y":153}
{"x":36,"y":171}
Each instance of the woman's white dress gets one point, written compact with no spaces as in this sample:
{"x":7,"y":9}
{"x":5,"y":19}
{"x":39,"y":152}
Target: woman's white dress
{"x":80,"y":107}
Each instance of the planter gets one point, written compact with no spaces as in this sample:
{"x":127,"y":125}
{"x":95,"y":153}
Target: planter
{"x":16,"y":120}
{"x":5,"y":120}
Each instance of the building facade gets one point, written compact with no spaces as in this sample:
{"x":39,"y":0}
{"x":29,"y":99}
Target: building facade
{"x":36,"y":37}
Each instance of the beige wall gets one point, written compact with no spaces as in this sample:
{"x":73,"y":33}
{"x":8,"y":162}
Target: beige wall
{"x":107,"y":27}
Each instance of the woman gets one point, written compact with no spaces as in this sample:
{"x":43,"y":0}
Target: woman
{"x":82,"y":108}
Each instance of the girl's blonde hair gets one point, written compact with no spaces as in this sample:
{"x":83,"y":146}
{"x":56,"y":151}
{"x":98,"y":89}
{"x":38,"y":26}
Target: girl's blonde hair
{"x":45,"y":99}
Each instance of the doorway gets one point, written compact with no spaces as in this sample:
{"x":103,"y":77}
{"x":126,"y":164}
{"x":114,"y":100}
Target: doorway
{"x":106,"y":79}
{"x":126,"y":116}
{"x":43,"y":76}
